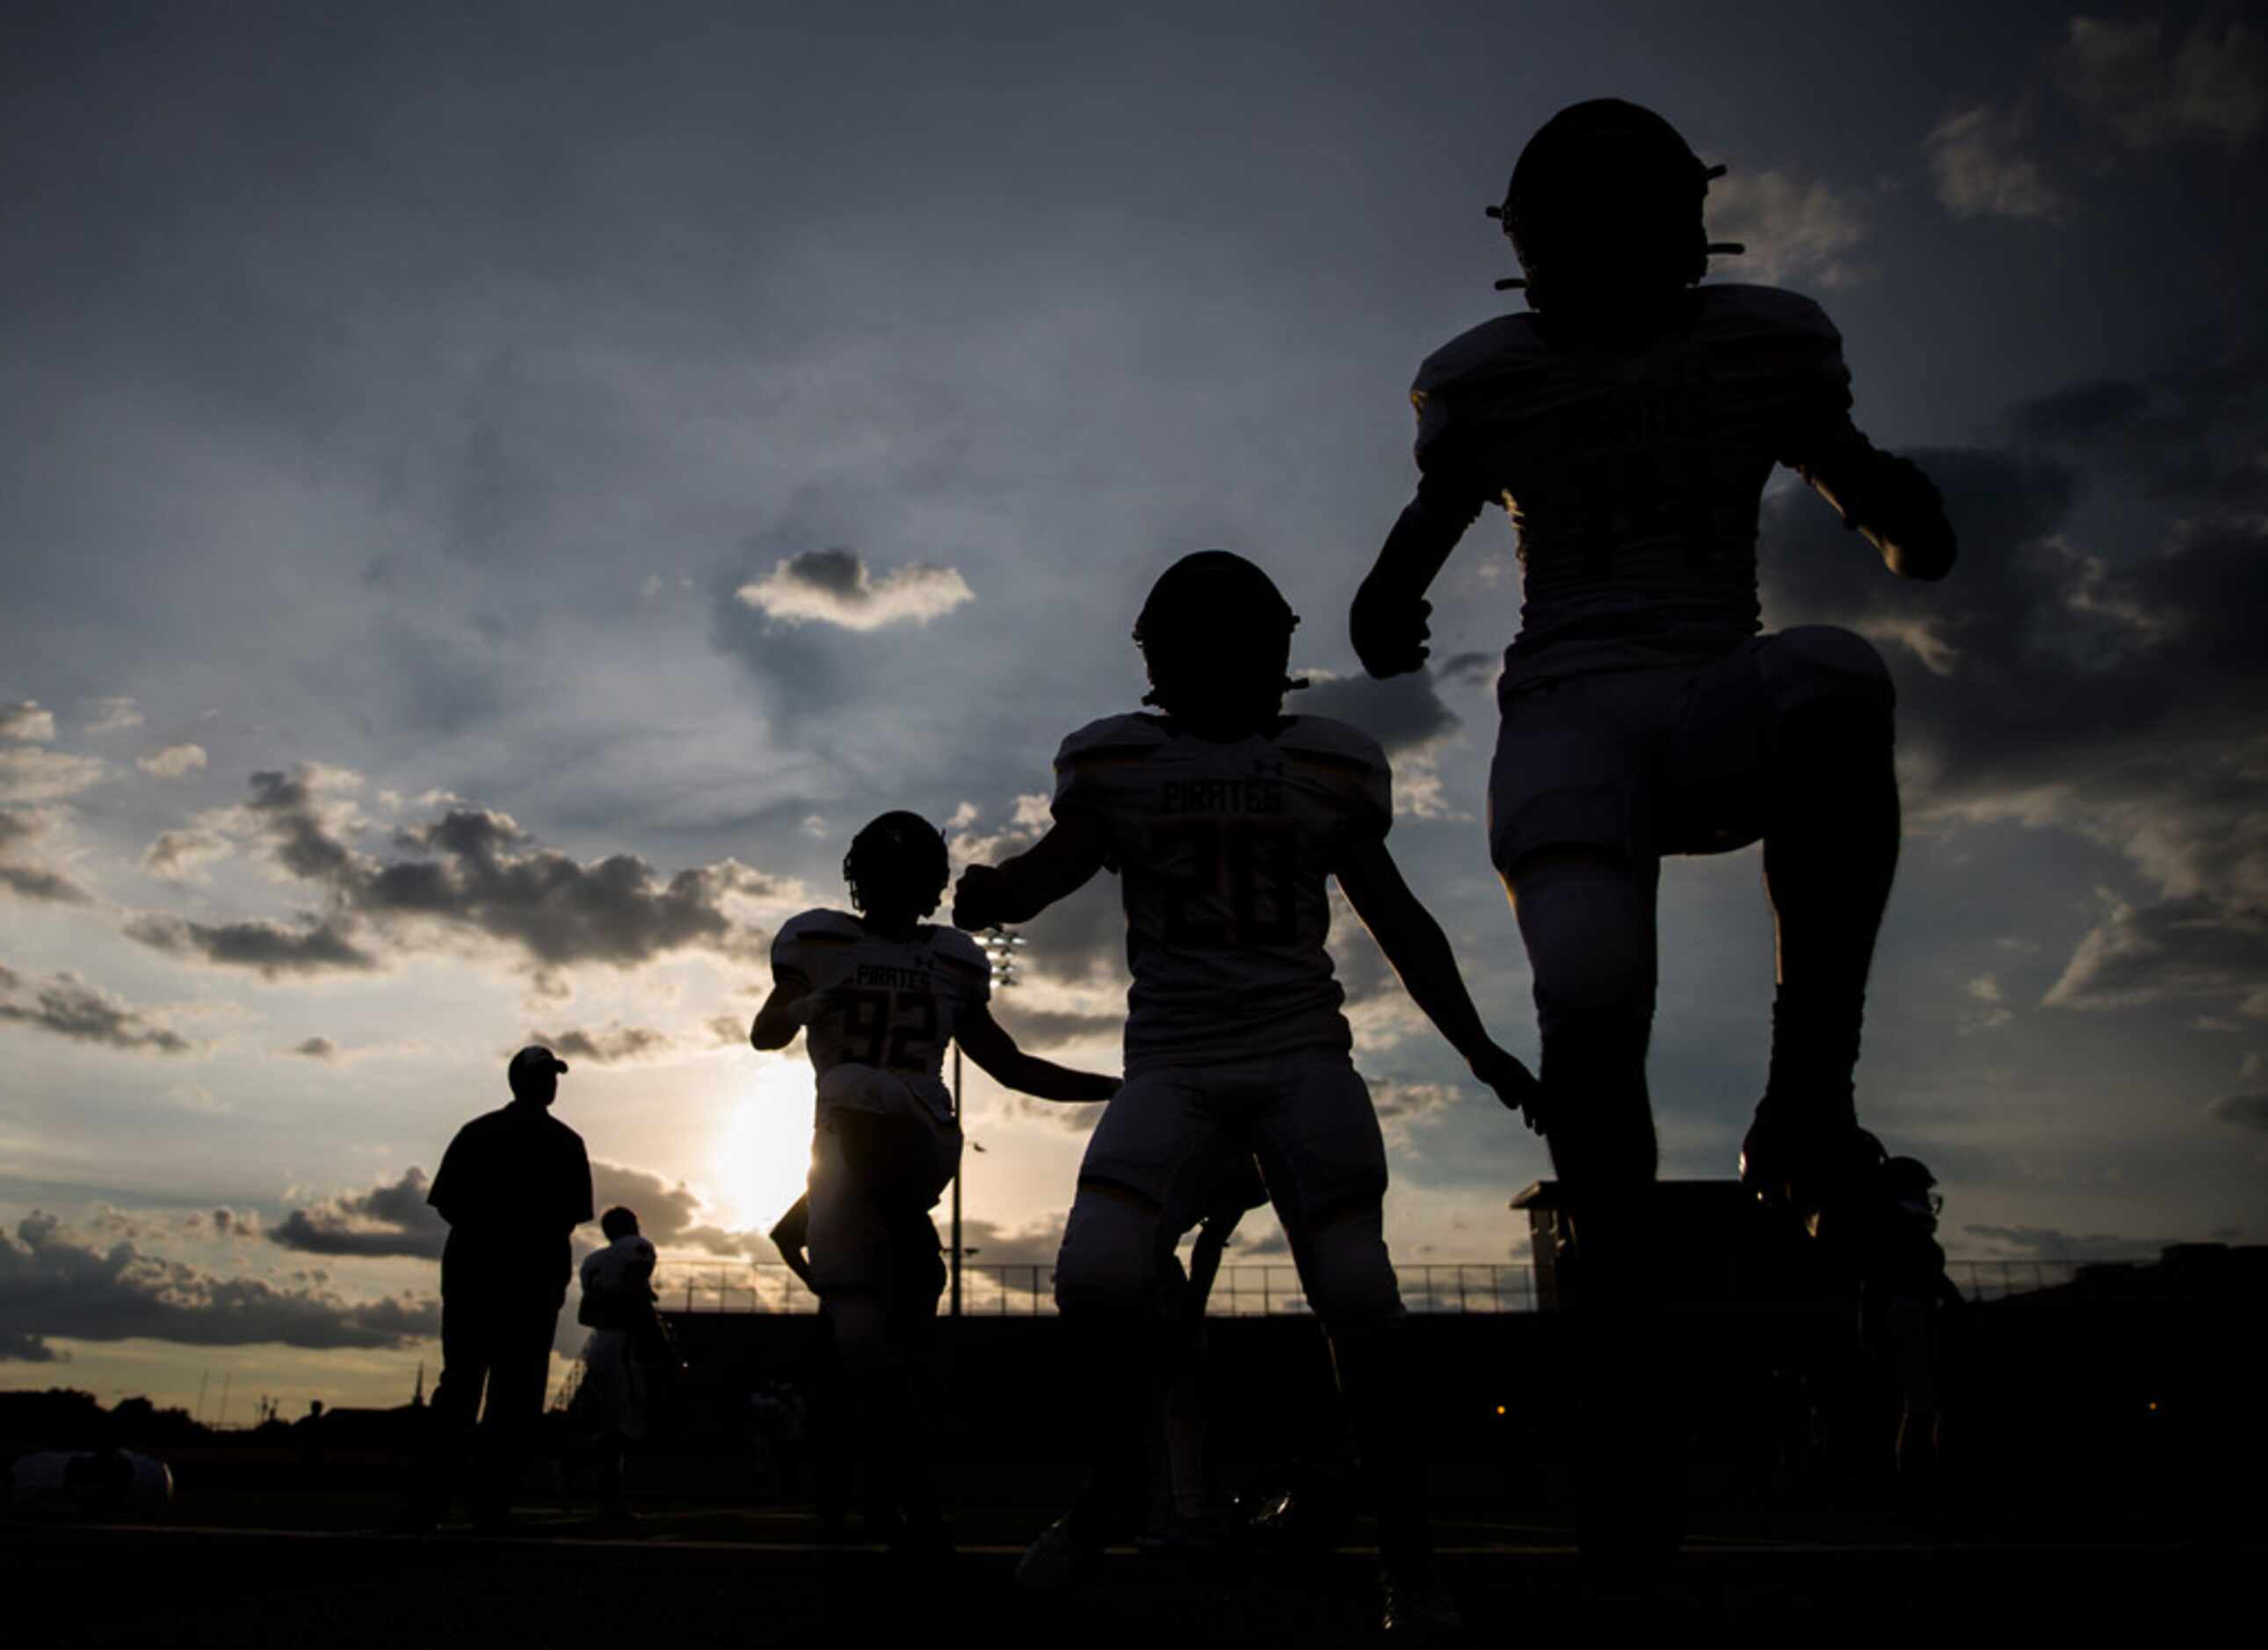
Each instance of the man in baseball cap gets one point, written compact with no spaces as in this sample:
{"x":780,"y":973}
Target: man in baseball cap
{"x":513,"y":1184}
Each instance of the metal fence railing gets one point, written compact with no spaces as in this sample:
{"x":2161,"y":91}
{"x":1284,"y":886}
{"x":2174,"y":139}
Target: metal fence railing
{"x":1247,"y":1289}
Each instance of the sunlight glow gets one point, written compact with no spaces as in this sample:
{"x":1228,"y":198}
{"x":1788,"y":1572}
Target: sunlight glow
{"x":762,"y":1152}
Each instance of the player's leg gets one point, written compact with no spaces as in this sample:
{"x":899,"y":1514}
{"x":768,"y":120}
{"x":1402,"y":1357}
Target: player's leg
{"x":467,"y":1324}
{"x":1319,"y":1149}
{"x":1571,"y":832}
{"x":1142,"y":1167}
{"x":1792,"y":741}
{"x":520,"y":1371}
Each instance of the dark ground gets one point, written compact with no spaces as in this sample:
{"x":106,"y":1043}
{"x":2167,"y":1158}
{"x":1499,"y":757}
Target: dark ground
{"x":279,"y":1569}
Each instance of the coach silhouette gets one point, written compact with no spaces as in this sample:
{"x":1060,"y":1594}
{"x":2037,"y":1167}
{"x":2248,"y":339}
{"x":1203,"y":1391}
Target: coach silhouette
{"x":1628,"y":423}
{"x":1225,"y":818}
{"x":513,"y":1185}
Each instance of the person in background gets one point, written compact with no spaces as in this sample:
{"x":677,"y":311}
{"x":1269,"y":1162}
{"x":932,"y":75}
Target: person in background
{"x":622,"y":1358}
{"x":513,"y":1185}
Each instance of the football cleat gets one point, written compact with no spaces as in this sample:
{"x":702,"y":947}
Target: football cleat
{"x":1412,"y":1602}
{"x":1311,"y":1517}
{"x":1058,"y":1561}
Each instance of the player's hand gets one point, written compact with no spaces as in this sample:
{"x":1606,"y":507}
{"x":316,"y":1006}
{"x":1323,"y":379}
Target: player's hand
{"x":1516,"y":1087}
{"x":1390,"y":631}
{"x":980,"y":899}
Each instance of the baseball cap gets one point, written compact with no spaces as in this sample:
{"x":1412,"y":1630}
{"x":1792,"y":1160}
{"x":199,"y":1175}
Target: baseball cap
{"x":535,"y":1058}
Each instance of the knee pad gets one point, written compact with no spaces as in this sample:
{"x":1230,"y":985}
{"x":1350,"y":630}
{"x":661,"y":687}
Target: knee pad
{"x":1110,"y":1262}
{"x":1350,"y":1278}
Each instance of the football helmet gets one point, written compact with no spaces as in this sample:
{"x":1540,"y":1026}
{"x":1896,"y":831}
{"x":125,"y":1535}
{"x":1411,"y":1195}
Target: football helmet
{"x":897,"y":866}
{"x":1216,"y":636}
{"x":1604,"y":206}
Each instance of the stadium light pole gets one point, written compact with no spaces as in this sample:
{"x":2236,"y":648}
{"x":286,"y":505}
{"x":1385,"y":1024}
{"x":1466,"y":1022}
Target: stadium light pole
{"x":1000,"y":949}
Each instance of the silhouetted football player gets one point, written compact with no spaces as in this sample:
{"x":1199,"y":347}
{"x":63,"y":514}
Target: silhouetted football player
{"x":1627,"y":424}
{"x":1224,"y":819}
{"x":881,"y":993}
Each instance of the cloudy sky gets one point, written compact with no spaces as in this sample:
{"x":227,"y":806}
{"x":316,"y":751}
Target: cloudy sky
{"x":492,"y":498}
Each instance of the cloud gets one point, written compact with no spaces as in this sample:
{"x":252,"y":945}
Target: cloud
{"x":1403,"y":713}
{"x":1797,"y":231}
{"x":1977,"y":159}
{"x":25,"y":876}
{"x":2186,"y":947}
{"x":394,"y":1219}
{"x":835,"y":587}
{"x":173,"y":762}
{"x":54,"y":1287}
{"x":68,"y":1006}
{"x":179,"y":856}
{"x":24,"y":719}
{"x":114,"y":715}
{"x":1034,"y":1243}
{"x":610,"y":1047}
{"x":2246,"y":1111}
{"x":2213,"y":86}
{"x":1402,"y":1106}
{"x":310,"y":945}
{"x":28,"y":774}
{"x":2115,"y":691}
{"x":470,"y":871}
{"x":1407,"y":717}
{"x":2047,"y":1243}
{"x":389,"y":1218}
{"x":31,"y":883}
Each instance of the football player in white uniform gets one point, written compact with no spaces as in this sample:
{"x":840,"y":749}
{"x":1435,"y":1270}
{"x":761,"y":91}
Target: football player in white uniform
{"x":1627,"y":424}
{"x":1225,"y":818}
{"x":880,"y":993}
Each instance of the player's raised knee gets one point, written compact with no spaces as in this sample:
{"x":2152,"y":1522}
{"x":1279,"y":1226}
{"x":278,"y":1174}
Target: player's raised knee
{"x":1108,"y":1262}
{"x":1816,"y":661}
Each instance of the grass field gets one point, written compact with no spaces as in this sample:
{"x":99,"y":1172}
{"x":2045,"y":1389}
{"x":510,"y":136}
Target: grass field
{"x":273,"y":1570}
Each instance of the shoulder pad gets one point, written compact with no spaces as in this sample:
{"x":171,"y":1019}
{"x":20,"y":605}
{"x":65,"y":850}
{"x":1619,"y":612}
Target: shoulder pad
{"x":958,"y":950}
{"x":1764,"y":307}
{"x":1330,"y":742}
{"x":1113,"y":737}
{"x":1490,"y":347}
{"x":824,"y":926}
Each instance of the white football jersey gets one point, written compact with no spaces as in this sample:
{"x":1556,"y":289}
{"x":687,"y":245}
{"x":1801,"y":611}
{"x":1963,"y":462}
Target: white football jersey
{"x":1632,"y":474}
{"x":1222,"y":852}
{"x":892,"y":1004}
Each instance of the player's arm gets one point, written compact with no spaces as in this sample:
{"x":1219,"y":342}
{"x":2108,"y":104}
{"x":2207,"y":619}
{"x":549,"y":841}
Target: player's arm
{"x":789,"y":1234}
{"x":1886,"y":499}
{"x":1413,"y":942}
{"x":1388,"y":619}
{"x":785,"y":1011}
{"x":985,"y":1041}
{"x":1018,"y":889}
